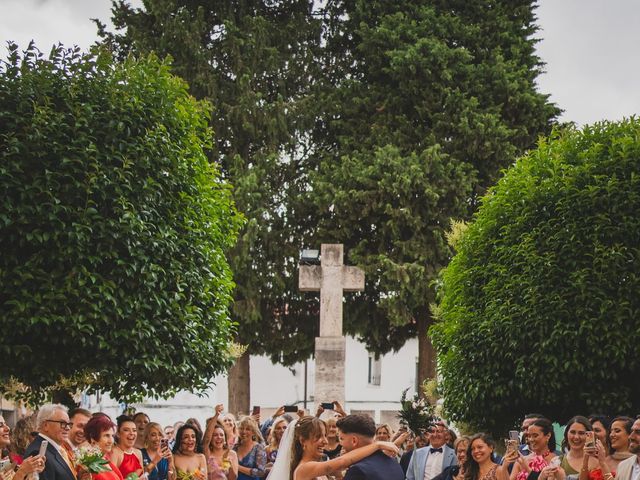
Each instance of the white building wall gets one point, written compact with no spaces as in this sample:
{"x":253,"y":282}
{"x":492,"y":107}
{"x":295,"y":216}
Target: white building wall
{"x":275,"y":385}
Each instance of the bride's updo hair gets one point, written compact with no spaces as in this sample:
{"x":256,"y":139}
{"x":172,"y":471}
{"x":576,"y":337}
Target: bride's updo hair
{"x":307,"y":428}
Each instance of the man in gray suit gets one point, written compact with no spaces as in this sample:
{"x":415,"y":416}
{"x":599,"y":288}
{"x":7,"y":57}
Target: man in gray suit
{"x":428,"y":462}
{"x":629,"y":469}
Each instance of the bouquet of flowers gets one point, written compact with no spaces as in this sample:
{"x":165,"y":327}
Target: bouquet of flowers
{"x":417,"y":414}
{"x":91,"y":459}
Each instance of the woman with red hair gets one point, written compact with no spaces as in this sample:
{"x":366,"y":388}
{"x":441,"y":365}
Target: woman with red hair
{"x":100,"y":431}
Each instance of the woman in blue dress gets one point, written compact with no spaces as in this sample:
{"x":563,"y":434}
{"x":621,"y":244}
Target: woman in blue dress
{"x":156,"y":456}
{"x":252,"y":454}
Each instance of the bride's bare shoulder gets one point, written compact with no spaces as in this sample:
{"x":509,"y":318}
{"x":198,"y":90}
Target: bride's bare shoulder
{"x":301,"y":477}
{"x":302,"y":473}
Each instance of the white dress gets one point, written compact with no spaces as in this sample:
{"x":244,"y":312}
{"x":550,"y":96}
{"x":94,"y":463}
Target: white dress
{"x":282,"y":467}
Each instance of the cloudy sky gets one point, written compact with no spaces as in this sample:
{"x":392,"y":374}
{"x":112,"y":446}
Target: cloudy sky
{"x":590,"y":47}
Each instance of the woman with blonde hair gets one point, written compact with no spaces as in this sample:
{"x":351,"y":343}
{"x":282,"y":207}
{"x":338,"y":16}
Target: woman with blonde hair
{"x":157,"y":459}
{"x":277,"y":430}
{"x":252,"y":454}
{"x":384,"y":432}
{"x":230,"y":425}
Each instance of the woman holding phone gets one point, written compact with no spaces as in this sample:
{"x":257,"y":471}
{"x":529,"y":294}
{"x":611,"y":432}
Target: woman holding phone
{"x":577,"y":431}
{"x":156,"y":456}
{"x":601,"y":425}
{"x":601,"y":471}
{"x":479,"y":463}
{"x":9,"y":470}
{"x":542,"y":443}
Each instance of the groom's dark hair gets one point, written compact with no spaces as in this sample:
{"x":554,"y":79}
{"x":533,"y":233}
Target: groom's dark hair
{"x":357,"y":423}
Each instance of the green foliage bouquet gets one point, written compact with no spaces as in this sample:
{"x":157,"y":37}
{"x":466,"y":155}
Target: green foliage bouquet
{"x":416,"y":413}
{"x":91,"y":459}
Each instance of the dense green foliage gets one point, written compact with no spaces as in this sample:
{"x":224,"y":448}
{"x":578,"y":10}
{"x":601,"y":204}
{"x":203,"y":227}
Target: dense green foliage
{"x":367,"y":123}
{"x":113,"y":229}
{"x":431,"y":100}
{"x":254,"y":61}
{"x":539,"y":308}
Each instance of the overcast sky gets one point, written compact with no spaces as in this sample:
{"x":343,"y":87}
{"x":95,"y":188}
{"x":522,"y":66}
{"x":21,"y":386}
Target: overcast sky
{"x":591,"y":47}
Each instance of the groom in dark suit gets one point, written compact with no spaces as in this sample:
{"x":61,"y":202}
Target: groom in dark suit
{"x":53,"y":425}
{"x":357,"y":431}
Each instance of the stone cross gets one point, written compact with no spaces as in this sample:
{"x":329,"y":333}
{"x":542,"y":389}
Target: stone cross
{"x":331,"y":278}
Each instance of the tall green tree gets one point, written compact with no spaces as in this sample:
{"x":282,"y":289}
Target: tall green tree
{"x":113,"y":228}
{"x":429,"y":101}
{"x":254,"y":60}
{"x":365,"y":123}
{"x":539,"y":307}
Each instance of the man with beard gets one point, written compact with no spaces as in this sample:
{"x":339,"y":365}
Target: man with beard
{"x":629,"y":469}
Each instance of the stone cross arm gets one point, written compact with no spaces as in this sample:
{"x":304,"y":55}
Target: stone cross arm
{"x":310,"y":280}
{"x":332,"y":279}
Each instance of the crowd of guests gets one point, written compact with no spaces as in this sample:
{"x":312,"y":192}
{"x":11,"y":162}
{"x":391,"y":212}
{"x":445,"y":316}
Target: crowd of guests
{"x":330,"y":444}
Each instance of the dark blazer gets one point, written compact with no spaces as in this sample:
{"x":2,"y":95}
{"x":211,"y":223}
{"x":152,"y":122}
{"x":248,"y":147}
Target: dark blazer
{"x":448,"y":473}
{"x":405,"y":459}
{"x":378,"y":466}
{"x":55,"y":467}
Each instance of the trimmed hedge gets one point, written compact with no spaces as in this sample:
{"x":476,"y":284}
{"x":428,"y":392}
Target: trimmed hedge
{"x":540,"y":307}
{"x":113,"y":229}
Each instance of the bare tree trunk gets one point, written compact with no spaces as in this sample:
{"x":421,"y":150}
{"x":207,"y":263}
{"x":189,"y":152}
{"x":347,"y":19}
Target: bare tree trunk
{"x":426,"y":352}
{"x":239,"y":386}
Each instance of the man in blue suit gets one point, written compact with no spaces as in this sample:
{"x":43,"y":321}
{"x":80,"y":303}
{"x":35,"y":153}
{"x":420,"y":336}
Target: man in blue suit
{"x":357,"y":431}
{"x":428,"y":462}
{"x":53,"y":426}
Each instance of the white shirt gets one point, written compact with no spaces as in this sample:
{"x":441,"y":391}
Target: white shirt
{"x":635,"y":471}
{"x":53,"y":443}
{"x":434,"y":465}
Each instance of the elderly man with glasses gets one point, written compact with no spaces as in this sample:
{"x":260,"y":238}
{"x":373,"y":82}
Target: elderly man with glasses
{"x":429,"y":462}
{"x":53,"y":426}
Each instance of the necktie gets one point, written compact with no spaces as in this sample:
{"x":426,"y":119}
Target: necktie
{"x":65,"y":457}
{"x":433,"y":450}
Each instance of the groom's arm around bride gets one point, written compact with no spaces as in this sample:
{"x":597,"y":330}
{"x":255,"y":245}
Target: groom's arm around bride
{"x":357,"y":431}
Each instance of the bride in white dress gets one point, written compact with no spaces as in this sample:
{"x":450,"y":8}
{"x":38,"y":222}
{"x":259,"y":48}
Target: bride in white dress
{"x":300,"y":453}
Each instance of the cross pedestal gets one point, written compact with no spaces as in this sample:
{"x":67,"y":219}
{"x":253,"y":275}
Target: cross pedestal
{"x":331,"y":278}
